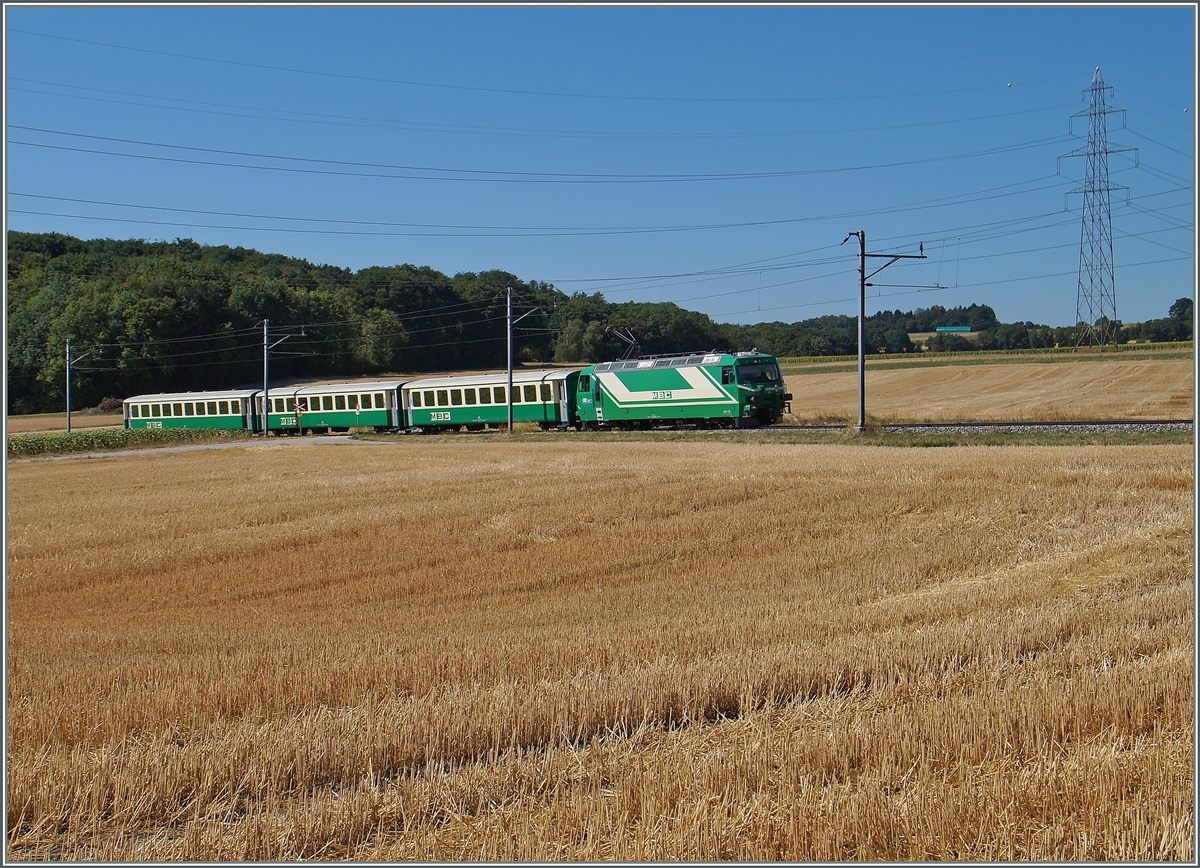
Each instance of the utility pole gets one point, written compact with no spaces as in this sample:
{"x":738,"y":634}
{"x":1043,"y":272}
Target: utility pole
{"x":511,"y":323}
{"x":70,"y":362}
{"x":266,"y":364}
{"x":861,"y":234}
{"x":509,"y":392}
{"x":267,"y":346}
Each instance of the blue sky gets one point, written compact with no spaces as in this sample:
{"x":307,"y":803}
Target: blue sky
{"x":714,"y":157}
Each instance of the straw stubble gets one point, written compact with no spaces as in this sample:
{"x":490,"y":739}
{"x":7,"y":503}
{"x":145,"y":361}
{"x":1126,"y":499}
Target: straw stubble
{"x":464,"y":649}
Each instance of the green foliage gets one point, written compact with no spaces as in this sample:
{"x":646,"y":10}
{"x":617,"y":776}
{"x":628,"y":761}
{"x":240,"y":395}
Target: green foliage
{"x":101,"y":439}
{"x":1176,"y":326}
{"x":142,"y":299}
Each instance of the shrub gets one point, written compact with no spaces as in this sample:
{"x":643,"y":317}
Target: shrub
{"x":101,"y":439}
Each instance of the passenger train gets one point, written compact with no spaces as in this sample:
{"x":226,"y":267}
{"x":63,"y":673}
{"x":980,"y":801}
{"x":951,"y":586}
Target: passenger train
{"x":701,"y":389}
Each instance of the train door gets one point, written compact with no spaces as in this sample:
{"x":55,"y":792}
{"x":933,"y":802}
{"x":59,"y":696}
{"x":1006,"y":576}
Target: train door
{"x":598,"y":399}
{"x":560,"y":401}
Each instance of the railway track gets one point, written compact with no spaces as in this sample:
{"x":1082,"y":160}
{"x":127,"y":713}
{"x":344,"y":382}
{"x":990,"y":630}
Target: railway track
{"x":1094,"y":426}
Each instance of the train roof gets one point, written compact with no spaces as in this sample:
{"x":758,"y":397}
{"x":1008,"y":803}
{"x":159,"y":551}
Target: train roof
{"x":521,"y":377}
{"x":682,"y":360}
{"x":322,"y":388}
{"x":171,"y":397}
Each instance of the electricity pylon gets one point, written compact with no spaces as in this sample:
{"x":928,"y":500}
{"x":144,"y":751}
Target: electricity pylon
{"x":1096,"y":300}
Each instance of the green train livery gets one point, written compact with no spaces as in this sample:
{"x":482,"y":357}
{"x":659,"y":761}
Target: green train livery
{"x":737,"y":390}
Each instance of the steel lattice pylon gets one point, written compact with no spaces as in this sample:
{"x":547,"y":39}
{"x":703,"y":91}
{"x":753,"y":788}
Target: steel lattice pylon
{"x":1096,"y":300}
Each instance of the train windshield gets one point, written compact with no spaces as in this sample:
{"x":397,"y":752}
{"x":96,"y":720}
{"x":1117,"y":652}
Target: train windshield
{"x":759,"y":372}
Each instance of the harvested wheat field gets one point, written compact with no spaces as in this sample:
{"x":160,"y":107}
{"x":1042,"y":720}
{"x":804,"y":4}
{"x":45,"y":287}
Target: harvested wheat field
{"x":1095,"y":388}
{"x":482,"y":648}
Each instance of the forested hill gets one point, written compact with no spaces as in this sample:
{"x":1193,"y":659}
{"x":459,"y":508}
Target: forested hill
{"x":175,"y":316}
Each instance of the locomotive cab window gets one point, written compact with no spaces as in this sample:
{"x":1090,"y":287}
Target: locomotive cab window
{"x":759,"y":372}
{"x":585,"y":383}
{"x":727,"y":376}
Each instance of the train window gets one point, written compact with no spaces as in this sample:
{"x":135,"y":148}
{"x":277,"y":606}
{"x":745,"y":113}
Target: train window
{"x":364,"y":401}
{"x":531,"y":394}
{"x":189,"y":409}
{"x":291,"y":405}
{"x":443,"y":398}
{"x":166,"y":409}
{"x":727,"y":376}
{"x":497,"y":394}
{"x":352,"y":402}
{"x":547,"y":395}
{"x":178,"y":409}
{"x":339,"y":402}
{"x":224,"y":408}
{"x":199,"y":408}
{"x":380,"y":403}
{"x":585,"y":384}
{"x":485,"y":395}
{"x":469,"y":396}
{"x":456,"y":397}
{"x":327,"y":402}
{"x":156,"y":409}
{"x":414,"y":399}
{"x":277,"y":405}
{"x":516,"y":395}
{"x":235,"y":407}
{"x":759,"y":372}
{"x":133,"y":411}
{"x":429,"y":399}
{"x":212,"y":408}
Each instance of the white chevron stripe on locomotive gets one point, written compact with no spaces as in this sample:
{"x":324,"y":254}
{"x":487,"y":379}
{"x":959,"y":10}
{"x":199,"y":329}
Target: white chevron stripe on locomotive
{"x":702,"y":389}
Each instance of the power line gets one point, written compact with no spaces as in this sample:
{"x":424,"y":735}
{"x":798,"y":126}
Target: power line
{"x":515,"y":92}
{"x":489,"y":175}
{"x":267,"y":113}
{"x":500,"y":231}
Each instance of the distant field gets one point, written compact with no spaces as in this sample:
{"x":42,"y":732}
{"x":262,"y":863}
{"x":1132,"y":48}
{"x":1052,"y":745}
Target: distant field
{"x":1118,"y":387}
{"x":58,"y":422}
{"x":470,"y":648}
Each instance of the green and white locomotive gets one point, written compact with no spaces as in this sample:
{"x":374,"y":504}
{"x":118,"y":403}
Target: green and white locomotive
{"x":732,"y":389}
